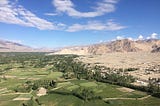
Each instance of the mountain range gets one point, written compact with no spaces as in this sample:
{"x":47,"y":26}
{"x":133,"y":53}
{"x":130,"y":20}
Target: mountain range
{"x":9,"y":46}
{"x":124,"y":45}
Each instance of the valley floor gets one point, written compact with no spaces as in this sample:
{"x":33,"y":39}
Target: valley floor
{"x":140,"y":60}
{"x":17,"y":76}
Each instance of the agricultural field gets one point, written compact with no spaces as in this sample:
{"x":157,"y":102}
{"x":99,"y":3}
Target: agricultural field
{"x":116,"y":97}
{"x":20,"y":83}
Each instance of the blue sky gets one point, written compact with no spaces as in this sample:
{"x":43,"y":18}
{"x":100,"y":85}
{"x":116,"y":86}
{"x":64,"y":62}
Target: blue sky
{"x":60,"y":23}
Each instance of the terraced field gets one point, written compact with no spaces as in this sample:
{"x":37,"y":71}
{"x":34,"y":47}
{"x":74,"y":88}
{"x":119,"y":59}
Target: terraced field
{"x":101,"y":89}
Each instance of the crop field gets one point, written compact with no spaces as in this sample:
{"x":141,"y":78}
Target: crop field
{"x":100,"y":89}
{"x":15,"y":88}
{"x":54,"y":75}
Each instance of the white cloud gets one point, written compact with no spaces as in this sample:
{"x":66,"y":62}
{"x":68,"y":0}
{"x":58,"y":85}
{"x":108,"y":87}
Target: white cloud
{"x":130,"y":38}
{"x":96,"y":26}
{"x":111,"y":1}
{"x":67,"y":6}
{"x":140,"y":37}
{"x":154,"y":35}
{"x":13,"y":14}
{"x":62,"y":26}
{"x":101,"y":41}
{"x":119,"y":37}
{"x":16,"y":14}
{"x":50,"y":14}
{"x":148,"y":37}
{"x":3,"y":2}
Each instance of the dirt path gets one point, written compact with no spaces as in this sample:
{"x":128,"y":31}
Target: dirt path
{"x":1,"y":89}
{"x":24,"y":99}
{"x":8,"y":76}
{"x":125,"y":89}
{"x":119,"y":99}
{"x":145,"y":97}
{"x":14,"y":93}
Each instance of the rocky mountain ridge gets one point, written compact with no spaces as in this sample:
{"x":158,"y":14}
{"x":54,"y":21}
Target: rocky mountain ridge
{"x":125,"y":45}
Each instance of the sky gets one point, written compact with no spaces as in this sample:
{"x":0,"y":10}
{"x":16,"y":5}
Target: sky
{"x":61,"y":23}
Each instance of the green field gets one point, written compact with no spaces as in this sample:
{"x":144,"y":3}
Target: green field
{"x":25,"y":96}
{"x":89,"y":84}
{"x":101,"y":89}
{"x":54,"y":75}
{"x":61,"y":94}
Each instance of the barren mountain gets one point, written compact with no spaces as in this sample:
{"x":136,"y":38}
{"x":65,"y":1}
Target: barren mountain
{"x":124,"y":45}
{"x":157,"y":49}
{"x":8,"y":46}
{"x":114,"y":46}
{"x":73,"y":50}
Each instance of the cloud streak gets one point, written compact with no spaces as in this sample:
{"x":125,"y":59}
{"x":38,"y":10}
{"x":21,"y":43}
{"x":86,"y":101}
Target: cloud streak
{"x":13,"y":14}
{"x":96,"y":26}
{"x":67,"y":6}
{"x":119,"y":37}
{"x":50,"y":14}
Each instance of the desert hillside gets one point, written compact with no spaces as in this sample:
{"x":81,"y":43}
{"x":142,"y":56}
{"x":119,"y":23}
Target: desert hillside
{"x":73,"y":50}
{"x":143,"y":61}
{"x":122,"y":46}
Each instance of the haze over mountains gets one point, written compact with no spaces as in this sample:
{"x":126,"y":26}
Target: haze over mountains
{"x":9,"y":46}
{"x":124,"y":45}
